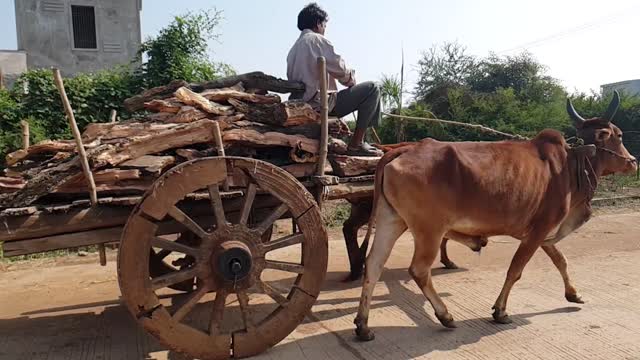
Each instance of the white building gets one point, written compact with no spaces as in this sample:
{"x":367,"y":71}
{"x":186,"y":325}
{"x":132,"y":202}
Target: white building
{"x":629,"y":87}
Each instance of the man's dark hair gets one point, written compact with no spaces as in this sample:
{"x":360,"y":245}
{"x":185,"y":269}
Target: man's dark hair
{"x":310,"y":16}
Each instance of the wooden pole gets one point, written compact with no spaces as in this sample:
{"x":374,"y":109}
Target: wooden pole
{"x":93,"y":194}
{"x":375,"y":136}
{"x":217,"y":136}
{"x":25,"y":134}
{"x":112,"y":116}
{"x":1,"y":79}
{"x":324,"y":124}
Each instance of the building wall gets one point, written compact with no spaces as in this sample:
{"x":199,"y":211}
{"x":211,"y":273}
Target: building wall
{"x":630,"y":87}
{"x":45,"y":33}
{"x":13,"y":63}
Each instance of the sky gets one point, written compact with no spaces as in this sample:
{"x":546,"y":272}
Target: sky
{"x":583,"y":43}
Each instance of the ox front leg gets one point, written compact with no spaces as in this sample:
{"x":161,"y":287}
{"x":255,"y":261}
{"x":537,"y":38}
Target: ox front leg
{"x":444,"y":256}
{"x":389,"y":227}
{"x":560,"y":261}
{"x":359,"y":216}
{"x":522,"y":256}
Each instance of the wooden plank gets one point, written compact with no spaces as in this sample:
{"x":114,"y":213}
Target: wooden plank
{"x":353,"y":165}
{"x":56,"y":242}
{"x":350,"y":190}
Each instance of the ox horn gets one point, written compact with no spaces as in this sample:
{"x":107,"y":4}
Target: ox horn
{"x":613,"y":106}
{"x":578,"y":121}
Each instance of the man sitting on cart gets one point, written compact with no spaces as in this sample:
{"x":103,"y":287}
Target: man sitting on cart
{"x":302,"y":66}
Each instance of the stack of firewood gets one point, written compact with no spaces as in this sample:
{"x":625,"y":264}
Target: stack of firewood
{"x":175,"y":123}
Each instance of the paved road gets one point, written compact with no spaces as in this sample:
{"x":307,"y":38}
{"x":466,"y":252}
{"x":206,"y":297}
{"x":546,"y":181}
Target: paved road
{"x":68,"y":311}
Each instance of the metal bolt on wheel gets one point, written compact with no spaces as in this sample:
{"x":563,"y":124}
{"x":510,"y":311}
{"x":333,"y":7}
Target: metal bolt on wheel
{"x":228,"y":260}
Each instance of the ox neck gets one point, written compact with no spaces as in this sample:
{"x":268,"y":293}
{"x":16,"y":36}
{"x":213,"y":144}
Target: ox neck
{"x":584,"y":172}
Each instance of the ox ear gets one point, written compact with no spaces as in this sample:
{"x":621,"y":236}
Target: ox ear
{"x":613,"y":106}
{"x":602,"y":134}
{"x":578,"y":121}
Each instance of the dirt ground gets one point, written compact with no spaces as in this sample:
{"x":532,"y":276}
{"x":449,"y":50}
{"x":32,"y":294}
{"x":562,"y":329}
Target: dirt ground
{"x":70,"y":309}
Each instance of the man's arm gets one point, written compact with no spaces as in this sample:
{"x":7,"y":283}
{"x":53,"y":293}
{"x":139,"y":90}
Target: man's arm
{"x":336,"y":66}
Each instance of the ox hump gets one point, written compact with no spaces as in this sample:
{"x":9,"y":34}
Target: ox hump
{"x":552,"y":148}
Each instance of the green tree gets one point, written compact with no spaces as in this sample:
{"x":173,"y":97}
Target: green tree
{"x":444,"y":66}
{"x":180,"y":51}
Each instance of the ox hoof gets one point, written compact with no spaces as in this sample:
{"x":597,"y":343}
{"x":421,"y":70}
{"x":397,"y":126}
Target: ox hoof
{"x":365,"y":334}
{"x":447,"y":321}
{"x":352,"y":277}
{"x":501,"y":317}
{"x":574,"y":298}
{"x":449,"y":265}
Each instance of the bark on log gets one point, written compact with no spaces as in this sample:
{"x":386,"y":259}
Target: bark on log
{"x":107,"y":131}
{"x":46,"y":146}
{"x":200,"y":131}
{"x":254,"y":138}
{"x":353,"y":165}
{"x":150,"y":163}
{"x":10,"y":184}
{"x":223,"y":95}
{"x":255,"y":80}
{"x":44,"y":180}
{"x":337,"y":147}
{"x":296,"y":113}
{"x":136,"y":103}
{"x":186,"y":114}
{"x":191,"y":154}
{"x":287,"y":114}
{"x":194,"y":99}
{"x":107,"y":176}
{"x":158,"y":105}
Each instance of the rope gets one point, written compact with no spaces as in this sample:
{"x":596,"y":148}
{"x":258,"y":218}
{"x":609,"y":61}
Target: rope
{"x":457,"y":123}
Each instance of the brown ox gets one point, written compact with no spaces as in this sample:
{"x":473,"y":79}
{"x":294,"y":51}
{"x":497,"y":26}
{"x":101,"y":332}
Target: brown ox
{"x":524,"y":189}
{"x":360,"y":215}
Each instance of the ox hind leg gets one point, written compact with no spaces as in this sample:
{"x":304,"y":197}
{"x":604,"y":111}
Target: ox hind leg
{"x":559,"y":260}
{"x":389,"y":227}
{"x":359,"y":216}
{"x":522,"y":256}
{"x":426,"y":250}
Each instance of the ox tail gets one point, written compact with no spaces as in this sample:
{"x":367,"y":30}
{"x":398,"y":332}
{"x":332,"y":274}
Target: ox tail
{"x":377,"y":189}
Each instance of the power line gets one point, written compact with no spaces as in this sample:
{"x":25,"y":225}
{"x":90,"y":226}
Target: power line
{"x":588,"y":25}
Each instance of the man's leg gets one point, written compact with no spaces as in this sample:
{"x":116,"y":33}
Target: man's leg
{"x":364,"y":98}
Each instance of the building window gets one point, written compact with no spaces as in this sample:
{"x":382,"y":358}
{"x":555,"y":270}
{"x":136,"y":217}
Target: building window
{"x":84,"y":27}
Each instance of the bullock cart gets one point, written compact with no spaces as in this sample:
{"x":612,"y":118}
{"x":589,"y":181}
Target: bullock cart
{"x":194,"y":247}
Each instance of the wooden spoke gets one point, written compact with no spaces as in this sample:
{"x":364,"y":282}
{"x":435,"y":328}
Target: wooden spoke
{"x":275,"y":215}
{"x":191,"y":302}
{"x":173,"y":278}
{"x":274,"y":294}
{"x":168,"y":245}
{"x":243,"y":299}
{"x":249,"y":196}
{"x":188,"y":222}
{"x":284,"y":242}
{"x":217,"y":312}
{"x":216,"y":203}
{"x":284,"y":266}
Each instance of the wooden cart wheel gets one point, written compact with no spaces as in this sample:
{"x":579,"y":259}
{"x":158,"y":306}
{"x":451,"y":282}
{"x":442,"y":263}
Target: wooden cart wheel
{"x":159,"y":265}
{"x":229,"y":260}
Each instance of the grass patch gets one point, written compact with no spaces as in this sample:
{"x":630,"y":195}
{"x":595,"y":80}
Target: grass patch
{"x":335,"y":213}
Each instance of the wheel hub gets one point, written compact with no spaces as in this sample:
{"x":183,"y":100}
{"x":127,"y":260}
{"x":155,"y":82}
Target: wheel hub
{"x":233,"y":261}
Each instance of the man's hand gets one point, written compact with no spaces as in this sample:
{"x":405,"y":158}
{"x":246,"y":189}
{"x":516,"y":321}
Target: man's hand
{"x":352,"y":80}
